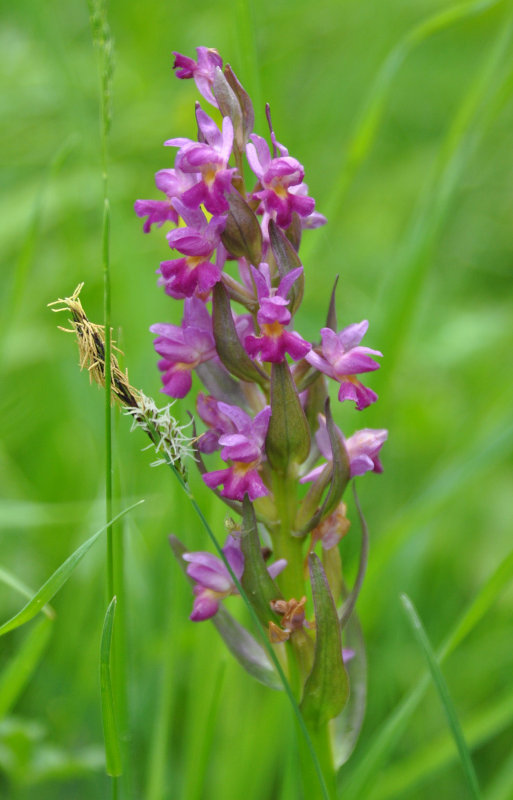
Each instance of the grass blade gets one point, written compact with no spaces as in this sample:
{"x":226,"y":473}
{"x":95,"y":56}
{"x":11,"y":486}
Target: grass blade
{"x":402,"y":776}
{"x":443,"y":692}
{"x":20,"y":669}
{"x":391,"y":731}
{"x":57,"y":579}
{"x":11,"y":580}
{"x":374,"y":106}
{"x":110,"y":730}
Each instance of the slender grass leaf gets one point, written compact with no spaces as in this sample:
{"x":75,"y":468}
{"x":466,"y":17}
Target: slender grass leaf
{"x":58,"y":579}
{"x":360,"y":779}
{"x":326,"y":688}
{"x":502,"y":786}
{"x":443,"y":692}
{"x":110,"y":730}
{"x":425,"y":762}
{"x":374,"y":105}
{"x":21,"y":667}
{"x":11,"y":580}
{"x":197,"y":788}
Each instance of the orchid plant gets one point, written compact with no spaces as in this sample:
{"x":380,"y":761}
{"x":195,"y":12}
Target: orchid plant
{"x":264,"y":410}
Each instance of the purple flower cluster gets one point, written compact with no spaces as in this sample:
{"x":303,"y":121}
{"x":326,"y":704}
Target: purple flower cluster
{"x":235,"y":265}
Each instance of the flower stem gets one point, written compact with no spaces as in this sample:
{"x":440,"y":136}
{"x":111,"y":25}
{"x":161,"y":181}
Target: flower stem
{"x":292,"y":580}
{"x":322,"y":743}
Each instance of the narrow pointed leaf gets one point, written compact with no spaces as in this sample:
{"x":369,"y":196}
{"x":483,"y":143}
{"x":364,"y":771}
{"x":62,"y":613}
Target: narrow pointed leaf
{"x":331,"y":319}
{"x":229,"y":105}
{"x":256,"y":581}
{"x":295,"y":231}
{"x":218,"y":382}
{"x":19,"y":670}
{"x":11,"y":580}
{"x":250,"y":655}
{"x":228,"y":345}
{"x":315,"y":401}
{"x":348,"y":724}
{"x":57,"y":580}
{"x":242,"y":235}
{"x":248,"y":114}
{"x":443,"y":692}
{"x":347,"y":608}
{"x":110,"y":730}
{"x":340,"y":476}
{"x":287,"y":259}
{"x":288,"y":436}
{"x":242,"y":645}
{"x":327,"y":687}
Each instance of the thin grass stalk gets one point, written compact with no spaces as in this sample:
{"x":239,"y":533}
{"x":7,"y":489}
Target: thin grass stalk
{"x":103,"y":41}
{"x":443,"y":692}
{"x":390,"y":733}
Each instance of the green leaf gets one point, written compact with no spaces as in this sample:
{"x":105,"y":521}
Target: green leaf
{"x":21,"y":667}
{"x":244,"y":647}
{"x":340,"y":477}
{"x":287,"y":259}
{"x":242,"y":235}
{"x":58,"y":579}
{"x":327,"y":687}
{"x":443,"y":692}
{"x":347,"y":608}
{"x":256,"y":581}
{"x":394,"y":726}
{"x":288,"y":435}
{"x":248,"y":114}
{"x":348,"y":724}
{"x":110,"y":732}
{"x":229,"y":105}
{"x":241,"y":644}
{"x":11,"y":580}
{"x":331,"y":318}
{"x":228,"y":345}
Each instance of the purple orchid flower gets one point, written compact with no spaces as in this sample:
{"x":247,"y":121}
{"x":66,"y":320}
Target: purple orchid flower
{"x":278,"y":176}
{"x":213,"y":582}
{"x":342,"y":359}
{"x":210,"y":159}
{"x":173,"y":183}
{"x":219,"y":423}
{"x":362,"y":449}
{"x":273,"y":315}
{"x":203,"y":70}
{"x":245,"y":449}
{"x":195,"y":273}
{"x":184,"y":348}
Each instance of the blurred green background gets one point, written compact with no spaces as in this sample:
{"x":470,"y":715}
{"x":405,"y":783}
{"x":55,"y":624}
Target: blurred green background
{"x":404,"y":129}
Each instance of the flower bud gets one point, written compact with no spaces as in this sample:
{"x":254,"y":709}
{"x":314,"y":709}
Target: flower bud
{"x":242,"y":235}
{"x":229,"y":105}
{"x":288,"y":436}
{"x":248,"y":115}
{"x":286,"y":260}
